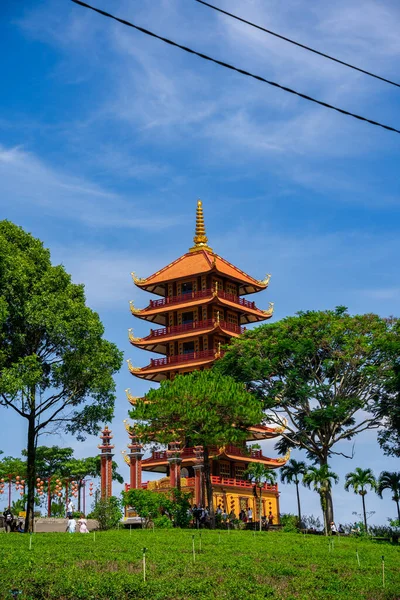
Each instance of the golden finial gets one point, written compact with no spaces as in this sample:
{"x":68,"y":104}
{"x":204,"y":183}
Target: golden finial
{"x":200,"y":238}
{"x":132,"y":368}
{"x":137,"y":280}
{"x":134,"y":310}
{"x":132,"y":338}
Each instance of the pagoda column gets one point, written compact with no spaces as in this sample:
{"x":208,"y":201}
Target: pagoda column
{"x":174,"y":461}
{"x":106,"y":456}
{"x":198,"y":475}
{"x":135,"y":462}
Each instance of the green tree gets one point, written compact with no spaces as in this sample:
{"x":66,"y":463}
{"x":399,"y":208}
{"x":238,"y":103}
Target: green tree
{"x":320,"y":479}
{"x":56,"y":370}
{"x":11,"y":467}
{"x":390,"y":481}
{"x":51,"y":460}
{"x":261,"y":475}
{"x":107,"y":512}
{"x":387,"y":408}
{"x":359,"y":479}
{"x":291,"y":473}
{"x":203,"y":408}
{"x":325,"y":371}
{"x":149,"y":505}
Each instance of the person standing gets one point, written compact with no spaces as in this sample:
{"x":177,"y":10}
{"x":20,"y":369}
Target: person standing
{"x":8,"y":520}
{"x":70,"y":509}
{"x":83,"y":524}
{"x":249,"y":515}
{"x":71,"y":527}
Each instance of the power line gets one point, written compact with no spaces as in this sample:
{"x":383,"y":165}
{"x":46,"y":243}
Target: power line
{"x":236,"y":69}
{"x":286,"y":39}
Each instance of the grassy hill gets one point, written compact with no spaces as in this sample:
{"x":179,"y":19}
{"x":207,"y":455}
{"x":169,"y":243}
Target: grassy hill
{"x":235,"y":565}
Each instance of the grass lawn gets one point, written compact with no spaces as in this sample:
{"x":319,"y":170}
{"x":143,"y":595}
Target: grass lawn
{"x":236,"y":565}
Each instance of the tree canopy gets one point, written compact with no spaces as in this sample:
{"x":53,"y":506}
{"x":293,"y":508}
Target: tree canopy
{"x":56,"y":369}
{"x":325,"y":371}
{"x":202,"y":408}
{"x":359,"y":480}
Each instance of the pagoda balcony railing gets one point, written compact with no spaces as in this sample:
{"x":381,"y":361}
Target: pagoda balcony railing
{"x":190,"y":296}
{"x":193,"y":326}
{"x":228,"y":482}
{"x":182,"y":358}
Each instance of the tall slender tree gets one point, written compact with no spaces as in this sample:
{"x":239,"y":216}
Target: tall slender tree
{"x":56,"y":370}
{"x":261,"y":475}
{"x":359,"y":479}
{"x":390,"y":481}
{"x":320,"y":479}
{"x":292,"y":472}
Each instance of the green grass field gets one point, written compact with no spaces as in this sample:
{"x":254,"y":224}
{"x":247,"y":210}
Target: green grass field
{"x":237,"y":565}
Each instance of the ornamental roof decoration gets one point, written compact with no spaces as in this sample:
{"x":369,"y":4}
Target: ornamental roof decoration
{"x":200,"y":259}
{"x":270,"y":310}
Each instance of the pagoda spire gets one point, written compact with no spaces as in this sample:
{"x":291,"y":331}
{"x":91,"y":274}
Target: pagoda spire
{"x":200,"y":238}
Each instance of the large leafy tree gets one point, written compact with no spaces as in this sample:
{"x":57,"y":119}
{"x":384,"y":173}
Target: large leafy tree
{"x":261,"y":475}
{"x":203,"y":408}
{"x":325,"y":371}
{"x":390,"y":481}
{"x":292,"y":472}
{"x":359,"y":479}
{"x":388,"y":407}
{"x":320,"y":479}
{"x":56,"y":370}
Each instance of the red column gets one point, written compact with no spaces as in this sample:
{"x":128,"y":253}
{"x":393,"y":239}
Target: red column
{"x":135,"y":470}
{"x":109,"y":476}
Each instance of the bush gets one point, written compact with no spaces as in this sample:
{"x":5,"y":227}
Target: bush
{"x":107,"y":512}
{"x":289,"y":522}
{"x":163,"y":522}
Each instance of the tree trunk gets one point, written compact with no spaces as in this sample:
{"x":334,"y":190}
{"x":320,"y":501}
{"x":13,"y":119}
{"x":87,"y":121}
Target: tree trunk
{"x":207,"y":479}
{"x":79,"y":495}
{"x":364,"y":513}
{"x":31,"y":474}
{"x":398,"y":510}
{"x":323,"y":506}
{"x":329,"y":508}
{"x":298,"y":502}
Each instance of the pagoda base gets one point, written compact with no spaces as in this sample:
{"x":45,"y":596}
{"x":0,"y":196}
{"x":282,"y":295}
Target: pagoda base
{"x":228,"y":493}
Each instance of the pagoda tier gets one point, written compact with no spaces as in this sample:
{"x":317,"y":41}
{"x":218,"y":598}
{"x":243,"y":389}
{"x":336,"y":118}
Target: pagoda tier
{"x":238,"y":458}
{"x":209,"y":299}
{"x":201,"y":262}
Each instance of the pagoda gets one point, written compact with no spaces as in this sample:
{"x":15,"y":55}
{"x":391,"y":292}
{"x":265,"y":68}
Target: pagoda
{"x":201,"y":307}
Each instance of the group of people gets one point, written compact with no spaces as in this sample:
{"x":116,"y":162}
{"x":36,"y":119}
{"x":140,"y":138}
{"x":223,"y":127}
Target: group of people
{"x":12,"y":524}
{"x":201,"y":516}
{"x":72,"y":523}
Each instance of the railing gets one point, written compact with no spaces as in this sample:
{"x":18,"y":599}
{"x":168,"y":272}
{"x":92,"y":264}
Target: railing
{"x":185,"y":453}
{"x":243,"y":483}
{"x":189,"y":297}
{"x":181,"y":358}
{"x":193,"y":326}
{"x":226,"y":481}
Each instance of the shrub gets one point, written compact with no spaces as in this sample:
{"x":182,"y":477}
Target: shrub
{"x":163,"y":522}
{"x":107,"y":512}
{"x":289,"y":522}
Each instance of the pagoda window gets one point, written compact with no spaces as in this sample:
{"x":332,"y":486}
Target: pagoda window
{"x":224,"y":469}
{"x":231,"y":288}
{"x":187,"y":317}
{"x":188,"y":347}
{"x":232,"y":318}
{"x":187,"y":287}
{"x":239,"y":470}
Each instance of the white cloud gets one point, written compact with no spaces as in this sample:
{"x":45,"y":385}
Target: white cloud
{"x":28,"y":181}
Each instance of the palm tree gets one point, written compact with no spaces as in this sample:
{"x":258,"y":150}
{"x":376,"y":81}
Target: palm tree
{"x":290,"y":473}
{"x":260,"y":474}
{"x":358,"y":480}
{"x":390,"y":481}
{"x":320,"y":478}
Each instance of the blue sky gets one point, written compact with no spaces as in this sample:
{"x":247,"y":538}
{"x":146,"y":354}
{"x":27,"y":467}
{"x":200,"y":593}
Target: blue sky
{"x":108,"y":137}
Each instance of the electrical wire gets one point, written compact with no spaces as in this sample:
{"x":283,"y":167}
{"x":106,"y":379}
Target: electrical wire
{"x":236,"y":69}
{"x":286,"y":39}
